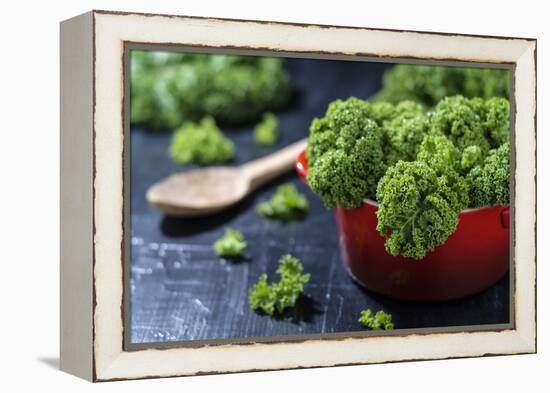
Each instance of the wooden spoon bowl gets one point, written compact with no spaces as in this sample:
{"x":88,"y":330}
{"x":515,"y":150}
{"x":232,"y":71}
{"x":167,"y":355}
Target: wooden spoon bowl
{"x":209,"y":190}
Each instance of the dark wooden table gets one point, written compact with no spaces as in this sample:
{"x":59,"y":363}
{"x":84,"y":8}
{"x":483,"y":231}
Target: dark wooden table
{"x":181,"y":291}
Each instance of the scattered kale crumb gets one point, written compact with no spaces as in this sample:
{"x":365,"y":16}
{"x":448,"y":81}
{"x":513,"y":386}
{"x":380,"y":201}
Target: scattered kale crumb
{"x":231,"y":245}
{"x":379,"y":321}
{"x":285,"y":204}
{"x":274,"y":298}
{"x":201,"y":143}
{"x":266,"y":132}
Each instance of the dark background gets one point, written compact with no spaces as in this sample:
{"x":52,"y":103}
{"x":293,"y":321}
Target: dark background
{"x":180,"y":290}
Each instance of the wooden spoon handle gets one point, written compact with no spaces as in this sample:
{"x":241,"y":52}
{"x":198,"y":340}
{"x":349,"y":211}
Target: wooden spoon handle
{"x":266,"y":168}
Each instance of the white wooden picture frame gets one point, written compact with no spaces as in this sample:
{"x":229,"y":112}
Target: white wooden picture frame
{"x":93,"y":193}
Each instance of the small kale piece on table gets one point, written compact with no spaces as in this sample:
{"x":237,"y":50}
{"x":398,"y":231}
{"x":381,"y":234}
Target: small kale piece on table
{"x":274,"y":298}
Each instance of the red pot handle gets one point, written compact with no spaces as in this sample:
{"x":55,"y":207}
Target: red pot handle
{"x":505,"y":217}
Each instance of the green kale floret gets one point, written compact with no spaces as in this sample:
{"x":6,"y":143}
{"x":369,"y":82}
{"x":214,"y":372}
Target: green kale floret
{"x":439,"y":153}
{"x":285,"y":204}
{"x":350,"y":117}
{"x":345,"y":153}
{"x":202,"y":143}
{"x":460,"y":119}
{"x":419,"y":207}
{"x":379,"y":321}
{"x":278,"y":296}
{"x":231,"y":244}
{"x":485,"y":82}
{"x":404,"y":132}
{"x":489,"y":182}
{"x":473,"y":122}
{"x":267,"y":132}
{"x":496,"y":120}
{"x":170,"y":88}
{"x":471,"y":156}
{"x":430,"y":84}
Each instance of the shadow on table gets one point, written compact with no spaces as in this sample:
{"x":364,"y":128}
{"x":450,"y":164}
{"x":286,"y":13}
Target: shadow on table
{"x":174,"y":226}
{"x":304,"y":311}
{"x":450,"y":313}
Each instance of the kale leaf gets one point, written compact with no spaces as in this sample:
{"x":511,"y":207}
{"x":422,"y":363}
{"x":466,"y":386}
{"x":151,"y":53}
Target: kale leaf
{"x":276,"y":297}
{"x":202,"y":143}
{"x":430,"y":84}
{"x":419,"y":207}
{"x":285,"y":204}
{"x":231,"y":244}
{"x":489,"y":182}
{"x":345,"y":153}
{"x":267,"y":132}
{"x":379,"y":321}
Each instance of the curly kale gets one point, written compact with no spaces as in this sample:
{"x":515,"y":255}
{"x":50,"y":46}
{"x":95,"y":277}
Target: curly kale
{"x":414,"y":163}
{"x":489,"y":182}
{"x":278,"y":296}
{"x":419,"y":207}
{"x":267,"y":132}
{"x":496,"y":120}
{"x":345,"y":152}
{"x":439,"y":153}
{"x":460,"y":119}
{"x":430,"y":84}
{"x":170,"y":88}
{"x":486,"y":83}
{"x":404,"y":132}
{"x":285,"y":204}
{"x":471,"y":156}
{"x":379,"y":321}
{"x":202,"y":143}
{"x":231,"y":244}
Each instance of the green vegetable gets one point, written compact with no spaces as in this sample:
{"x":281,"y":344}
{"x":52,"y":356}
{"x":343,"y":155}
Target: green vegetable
{"x":460,"y":120}
{"x":489,"y":181}
{"x":231,"y":244}
{"x":170,"y":88}
{"x":404,"y":132}
{"x":430,"y":84}
{"x":285,"y":204}
{"x":496,"y":121}
{"x":419,"y":207}
{"x":278,"y":296}
{"x":471,"y":156}
{"x":379,"y":321}
{"x":345,"y":153}
{"x":266,"y":133}
{"x":423,"y":168}
{"x":439,"y":153}
{"x":201,"y":143}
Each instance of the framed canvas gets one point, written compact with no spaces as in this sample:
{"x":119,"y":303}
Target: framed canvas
{"x":243,"y":195}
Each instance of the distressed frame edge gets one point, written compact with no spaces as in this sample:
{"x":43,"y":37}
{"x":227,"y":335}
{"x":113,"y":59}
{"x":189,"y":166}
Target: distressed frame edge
{"x":76,"y":196}
{"x":524,"y":339}
{"x":525,"y":291}
{"x":303,"y":24}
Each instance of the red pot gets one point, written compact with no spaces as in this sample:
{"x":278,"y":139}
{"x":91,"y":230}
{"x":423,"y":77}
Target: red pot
{"x":471,"y":260}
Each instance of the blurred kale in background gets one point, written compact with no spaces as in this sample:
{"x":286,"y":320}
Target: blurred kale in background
{"x":430,"y":84}
{"x":170,"y":88}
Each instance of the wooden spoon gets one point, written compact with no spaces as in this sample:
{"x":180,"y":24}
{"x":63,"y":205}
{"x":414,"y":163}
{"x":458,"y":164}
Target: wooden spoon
{"x":208,"y":190}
